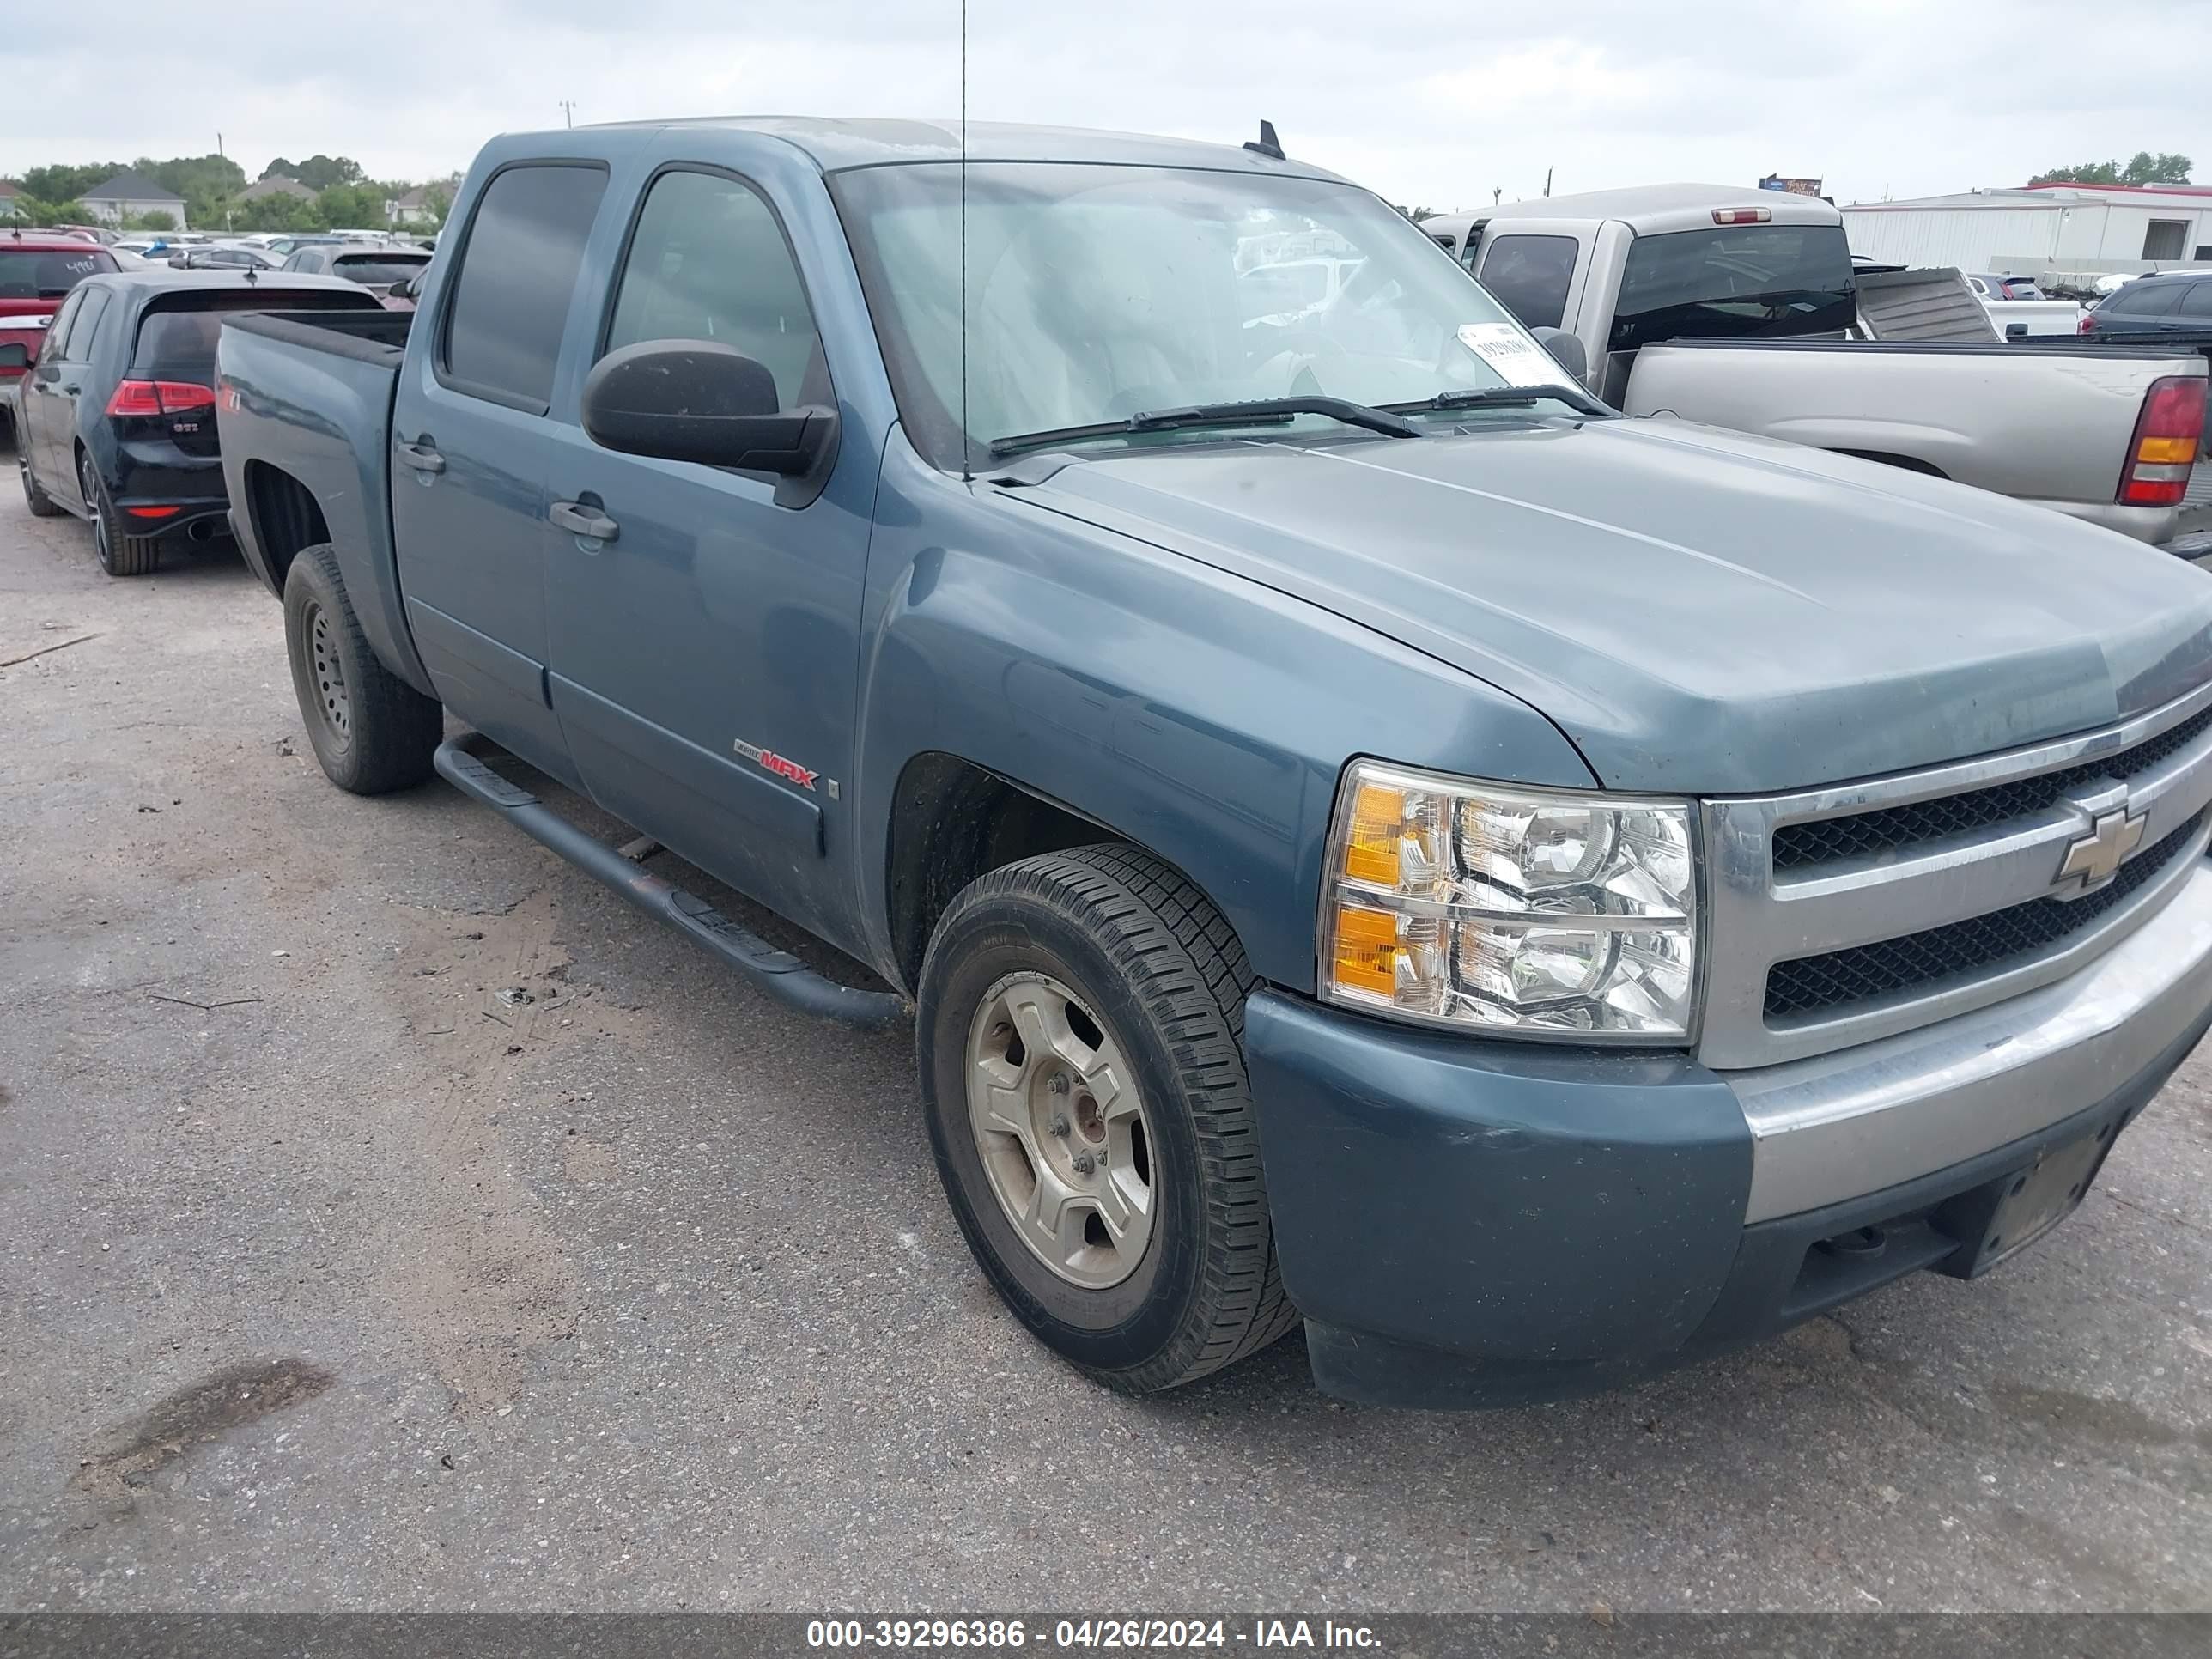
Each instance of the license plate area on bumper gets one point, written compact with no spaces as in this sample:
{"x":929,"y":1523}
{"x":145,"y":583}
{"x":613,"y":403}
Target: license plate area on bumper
{"x":1995,"y":1222}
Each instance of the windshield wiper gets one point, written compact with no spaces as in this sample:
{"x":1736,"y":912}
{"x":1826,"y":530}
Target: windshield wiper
{"x":1263,"y":411}
{"x":1502,"y":397}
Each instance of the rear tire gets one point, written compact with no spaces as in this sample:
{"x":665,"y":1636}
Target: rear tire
{"x":1079,"y":1041}
{"x":371,"y":731}
{"x":118,"y":555}
{"x":42,"y":505}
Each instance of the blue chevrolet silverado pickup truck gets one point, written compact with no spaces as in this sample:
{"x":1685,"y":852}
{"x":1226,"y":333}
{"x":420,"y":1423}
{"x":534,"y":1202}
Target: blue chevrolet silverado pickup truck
{"x":1365,"y":833}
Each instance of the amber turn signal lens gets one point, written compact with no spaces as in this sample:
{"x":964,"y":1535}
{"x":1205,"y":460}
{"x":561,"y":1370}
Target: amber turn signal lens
{"x":1378,"y":820}
{"x":1366,"y":954}
{"x":2166,"y":452}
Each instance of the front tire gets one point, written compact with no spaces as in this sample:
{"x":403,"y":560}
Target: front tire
{"x":1080,"y":1039}
{"x":371,"y":731}
{"x":42,"y":505}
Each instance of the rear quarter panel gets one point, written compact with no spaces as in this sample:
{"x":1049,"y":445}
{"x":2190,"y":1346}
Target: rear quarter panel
{"x":2024,"y":421}
{"x":316,"y":406}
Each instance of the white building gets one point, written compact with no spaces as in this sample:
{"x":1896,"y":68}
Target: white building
{"x":2041,"y":230}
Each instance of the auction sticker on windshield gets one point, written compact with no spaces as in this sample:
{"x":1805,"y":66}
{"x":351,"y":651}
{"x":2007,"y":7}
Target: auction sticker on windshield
{"x":1517,"y":360}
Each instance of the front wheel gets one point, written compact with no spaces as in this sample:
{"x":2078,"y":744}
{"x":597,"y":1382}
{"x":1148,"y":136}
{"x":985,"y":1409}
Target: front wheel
{"x":42,"y":505}
{"x":1080,"y":1042}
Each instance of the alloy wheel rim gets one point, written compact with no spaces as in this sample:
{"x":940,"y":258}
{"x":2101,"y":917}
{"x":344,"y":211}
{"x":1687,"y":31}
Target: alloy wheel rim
{"x":1065,"y":1139}
{"x":100,"y":543}
{"x":331,"y":693}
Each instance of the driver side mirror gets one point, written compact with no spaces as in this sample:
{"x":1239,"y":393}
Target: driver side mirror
{"x":698,"y":400}
{"x":14,"y":355}
{"x":1566,"y":351}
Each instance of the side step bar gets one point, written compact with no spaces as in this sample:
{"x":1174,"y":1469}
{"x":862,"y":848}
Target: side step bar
{"x":777,"y":972}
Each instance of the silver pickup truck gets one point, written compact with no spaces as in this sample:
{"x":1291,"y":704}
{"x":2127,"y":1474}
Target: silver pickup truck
{"x":1739,"y":308}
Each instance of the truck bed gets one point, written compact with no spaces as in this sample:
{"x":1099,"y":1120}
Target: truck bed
{"x":2002,"y":416}
{"x":307,"y":417}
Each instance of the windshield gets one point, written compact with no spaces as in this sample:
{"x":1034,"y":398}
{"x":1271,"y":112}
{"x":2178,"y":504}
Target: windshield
{"x":1098,"y":293}
{"x":1733,"y":282}
{"x":48,"y":275}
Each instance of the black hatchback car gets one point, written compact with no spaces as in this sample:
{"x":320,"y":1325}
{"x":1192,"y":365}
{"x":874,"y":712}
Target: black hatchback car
{"x":115,"y":422}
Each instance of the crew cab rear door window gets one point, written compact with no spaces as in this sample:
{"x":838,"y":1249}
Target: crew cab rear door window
{"x":1530,"y":276}
{"x":501,"y":337}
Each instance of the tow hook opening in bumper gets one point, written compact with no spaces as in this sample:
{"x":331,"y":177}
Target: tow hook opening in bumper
{"x":1860,"y":1243}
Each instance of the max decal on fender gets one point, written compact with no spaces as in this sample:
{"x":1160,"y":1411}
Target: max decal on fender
{"x":788,"y":770}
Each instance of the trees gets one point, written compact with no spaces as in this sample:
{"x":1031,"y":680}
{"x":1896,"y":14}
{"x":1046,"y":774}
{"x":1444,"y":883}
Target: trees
{"x":319,"y":172}
{"x":278,"y":213}
{"x":206,"y":182}
{"x":66,"y":183}
{"x":32,"y":210}
{"x":2171,"y":168}
{"x":212,"y":185}
{"x":358,"y":205}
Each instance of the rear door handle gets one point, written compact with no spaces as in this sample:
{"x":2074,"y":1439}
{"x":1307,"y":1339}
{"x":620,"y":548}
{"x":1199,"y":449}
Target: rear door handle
{"x":583,"y":520}
{"x":420,"y":457}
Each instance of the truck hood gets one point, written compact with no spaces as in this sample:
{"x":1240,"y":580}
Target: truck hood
{"x":1700,"y":611}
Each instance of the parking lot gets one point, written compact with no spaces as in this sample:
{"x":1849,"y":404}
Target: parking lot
{"x":394,"y":1219}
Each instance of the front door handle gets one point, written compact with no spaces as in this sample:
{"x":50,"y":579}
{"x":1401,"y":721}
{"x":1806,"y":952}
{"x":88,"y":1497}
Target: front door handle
{"x":420,"y":457}
{"x":583,"y":520}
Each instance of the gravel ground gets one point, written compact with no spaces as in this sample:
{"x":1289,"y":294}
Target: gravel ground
{"x":334,"y":1281}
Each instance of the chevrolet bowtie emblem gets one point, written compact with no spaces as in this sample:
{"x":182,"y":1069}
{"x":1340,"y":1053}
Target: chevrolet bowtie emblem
{"x":2095,"y":859}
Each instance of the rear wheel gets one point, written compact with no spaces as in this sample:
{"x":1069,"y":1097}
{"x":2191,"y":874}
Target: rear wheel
{"x":42,"y":505}
{"x":119,"y":555}
{"x":371,"y":731}
{"x":1078,"y":1036}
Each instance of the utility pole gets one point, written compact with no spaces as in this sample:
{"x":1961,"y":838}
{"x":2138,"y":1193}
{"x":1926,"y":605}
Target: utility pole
{"x":568,"y":111}
{"x":1548,"y":184}
{"x":218,"y":143}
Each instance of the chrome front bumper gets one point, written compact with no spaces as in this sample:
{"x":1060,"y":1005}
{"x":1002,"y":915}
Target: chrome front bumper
{"x":1842,"y":1124}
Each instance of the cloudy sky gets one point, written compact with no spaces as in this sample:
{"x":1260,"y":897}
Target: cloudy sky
{"x":1436,"y":102}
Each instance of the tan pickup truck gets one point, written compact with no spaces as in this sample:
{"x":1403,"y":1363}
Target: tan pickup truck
{"x":1740,"y":308}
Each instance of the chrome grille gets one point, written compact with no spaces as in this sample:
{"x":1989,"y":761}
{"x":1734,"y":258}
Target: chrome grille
{"x":1843,"y":915}
{"x":1871,"y":835}
{"x":1812,"y":985}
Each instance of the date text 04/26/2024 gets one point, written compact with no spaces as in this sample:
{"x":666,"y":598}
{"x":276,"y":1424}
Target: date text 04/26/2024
{"x":1088,"y":1633}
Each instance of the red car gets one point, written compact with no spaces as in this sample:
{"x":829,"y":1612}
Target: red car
{"x":37,"y":271}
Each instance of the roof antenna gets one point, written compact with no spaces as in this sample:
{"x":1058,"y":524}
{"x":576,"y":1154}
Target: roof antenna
{"x":967,"y":439}
{"x":1268,"y":144}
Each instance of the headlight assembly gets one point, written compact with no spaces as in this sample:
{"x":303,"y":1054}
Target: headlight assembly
{"x":1527,"y":911}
